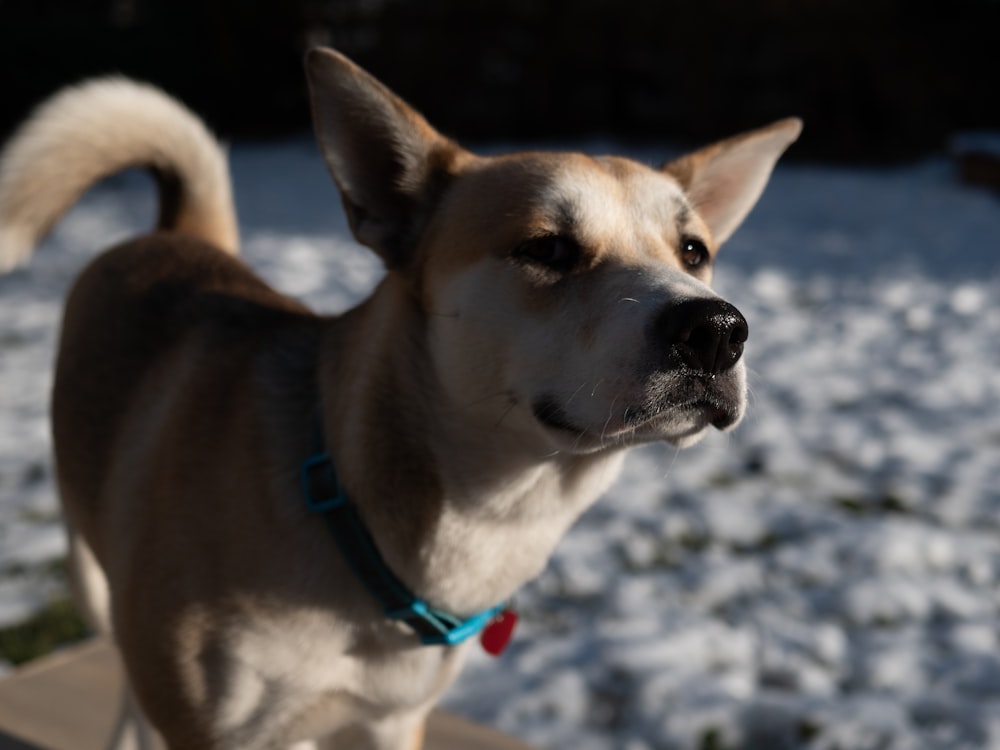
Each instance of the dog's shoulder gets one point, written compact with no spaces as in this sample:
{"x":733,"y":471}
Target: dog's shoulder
{"x":167,"y":283}
{"x":171,"y":267}
{"x":164,"y":299}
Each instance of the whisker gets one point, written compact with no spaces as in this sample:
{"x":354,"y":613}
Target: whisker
{"x":570,"y":399}
{"x":508,"y":410}
{"x":611,"y":413}
{"x":673,"y":462}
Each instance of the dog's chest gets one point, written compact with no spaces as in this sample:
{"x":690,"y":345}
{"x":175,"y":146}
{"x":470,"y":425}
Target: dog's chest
{"x":316,"y":672}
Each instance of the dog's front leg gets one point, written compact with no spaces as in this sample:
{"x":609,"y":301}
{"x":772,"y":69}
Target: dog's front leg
{"x":395,"y":732}
{"x":132,"y":730}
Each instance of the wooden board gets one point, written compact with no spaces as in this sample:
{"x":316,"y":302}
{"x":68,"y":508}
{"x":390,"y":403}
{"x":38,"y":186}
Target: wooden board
{"x":69,"y":700}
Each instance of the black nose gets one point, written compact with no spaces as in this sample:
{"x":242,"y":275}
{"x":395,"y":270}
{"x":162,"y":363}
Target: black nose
{"x":706,"y":334}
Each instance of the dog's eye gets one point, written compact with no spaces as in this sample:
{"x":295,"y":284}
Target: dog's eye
{"x":694,"y":253}
{"x":553,"y":251}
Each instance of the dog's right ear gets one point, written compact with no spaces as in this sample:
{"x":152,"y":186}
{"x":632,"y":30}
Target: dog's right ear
{"x":390,"y":165}
{"x":724,"y":180}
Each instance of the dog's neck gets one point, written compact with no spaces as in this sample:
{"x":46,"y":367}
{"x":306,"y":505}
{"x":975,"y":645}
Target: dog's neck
{"x":463,"y":514}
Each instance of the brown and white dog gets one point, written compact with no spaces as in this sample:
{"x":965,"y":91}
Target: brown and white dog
{"x":541,"y":313}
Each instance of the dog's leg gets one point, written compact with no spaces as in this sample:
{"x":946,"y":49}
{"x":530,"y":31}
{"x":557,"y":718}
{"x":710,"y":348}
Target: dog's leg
{"x":144,"y":731}
{"x":417,"y":737}
{"x":396,"y":732}
{"x":120,"y":736}
{"x":90,"y":587}
{"x":132,"y":730}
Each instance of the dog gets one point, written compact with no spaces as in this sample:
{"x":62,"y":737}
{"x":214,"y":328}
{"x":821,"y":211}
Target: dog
{"x":292,"y":524}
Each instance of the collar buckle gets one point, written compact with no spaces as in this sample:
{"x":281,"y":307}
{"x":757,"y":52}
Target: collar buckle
{"x":320,"y":485}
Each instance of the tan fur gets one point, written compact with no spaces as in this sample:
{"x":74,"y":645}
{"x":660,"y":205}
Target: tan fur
{"x":417,"y":740}
{"x":186,"y":394}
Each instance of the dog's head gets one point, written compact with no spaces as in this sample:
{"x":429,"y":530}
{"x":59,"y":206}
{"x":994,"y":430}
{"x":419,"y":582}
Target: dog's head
{"x":566,"y":297}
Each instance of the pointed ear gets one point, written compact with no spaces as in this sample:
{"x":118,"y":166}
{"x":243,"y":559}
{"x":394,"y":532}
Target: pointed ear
{"x":723,"y":181}
{"x":390,"y":165}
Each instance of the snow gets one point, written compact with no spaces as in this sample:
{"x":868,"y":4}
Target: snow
{"x":824,"y":577}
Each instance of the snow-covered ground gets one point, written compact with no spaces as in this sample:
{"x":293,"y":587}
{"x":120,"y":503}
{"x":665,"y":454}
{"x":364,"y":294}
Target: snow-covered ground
{"x":828,"y":576}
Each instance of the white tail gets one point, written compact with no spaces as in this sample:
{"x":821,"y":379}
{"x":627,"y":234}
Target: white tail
{"x":88,"y":132}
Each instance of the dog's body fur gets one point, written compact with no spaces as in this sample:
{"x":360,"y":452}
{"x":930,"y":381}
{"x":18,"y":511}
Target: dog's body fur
{"x":525,"y":334}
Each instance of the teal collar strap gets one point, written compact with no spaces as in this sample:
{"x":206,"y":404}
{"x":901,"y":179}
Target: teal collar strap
{"x":324,"y":496}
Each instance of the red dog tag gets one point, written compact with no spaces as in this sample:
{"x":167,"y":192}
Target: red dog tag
{"x":496,"y":635}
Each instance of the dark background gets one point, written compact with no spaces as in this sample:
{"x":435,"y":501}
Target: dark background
{"x":876,"y":80}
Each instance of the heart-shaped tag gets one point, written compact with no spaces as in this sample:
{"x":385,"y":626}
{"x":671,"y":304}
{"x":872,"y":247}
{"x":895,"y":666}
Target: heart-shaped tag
{"x":496,"y":635}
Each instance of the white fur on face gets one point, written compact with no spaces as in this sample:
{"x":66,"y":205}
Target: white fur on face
{"x":574,"y":363}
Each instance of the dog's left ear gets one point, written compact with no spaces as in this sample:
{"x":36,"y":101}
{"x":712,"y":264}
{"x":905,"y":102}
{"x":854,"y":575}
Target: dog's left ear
{"x":390,"y":165}
{"x":723,"y":181}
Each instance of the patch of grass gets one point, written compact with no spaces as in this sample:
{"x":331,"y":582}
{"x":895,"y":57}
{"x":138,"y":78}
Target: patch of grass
{"x":694,"y":541}
{"x":721,"y":480}
{"x":851,"y":504}
{"x":711,"y":739}
{"x":866,"y":506}
{"x":769,"y":541}
{"x":809,"y":730}
{"x":39,"y":515}
{"x":56,"y":625}
{"x":34,"y":474}
{"x":53,"y":569}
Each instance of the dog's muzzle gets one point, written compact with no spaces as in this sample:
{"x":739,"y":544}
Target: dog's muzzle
{"x":688,"y":378}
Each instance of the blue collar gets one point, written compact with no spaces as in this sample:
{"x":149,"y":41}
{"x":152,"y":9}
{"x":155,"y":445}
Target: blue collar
{"x":324,"y":495}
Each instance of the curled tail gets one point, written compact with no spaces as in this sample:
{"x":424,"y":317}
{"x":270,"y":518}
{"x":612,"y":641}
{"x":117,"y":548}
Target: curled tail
{"x":88,"y":132}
